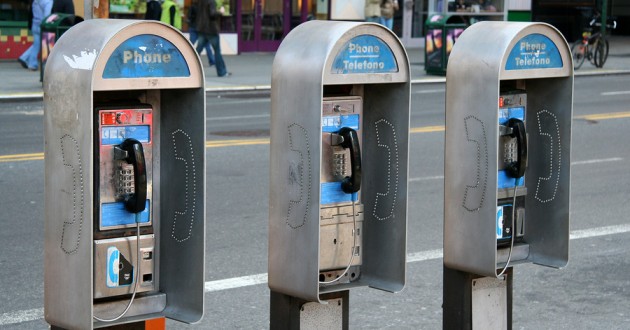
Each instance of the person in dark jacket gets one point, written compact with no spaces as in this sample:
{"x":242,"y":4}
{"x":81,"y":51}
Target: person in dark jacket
{"x":154,"y":10}
{"x":208,"y":30}
{"x":192,"y":30}
{"x":63,"y":6}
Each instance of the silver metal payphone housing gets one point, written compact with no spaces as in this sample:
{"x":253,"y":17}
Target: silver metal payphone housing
{"x":499,"y":71}
{"x":108,"y":84}
{"x":330,"y":78}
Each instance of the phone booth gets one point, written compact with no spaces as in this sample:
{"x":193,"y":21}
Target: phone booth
{"x":509,"y":104}
{"x":124,"y":127}
{"x":340,"y":97}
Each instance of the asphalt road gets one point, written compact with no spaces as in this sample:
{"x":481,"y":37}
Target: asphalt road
{"x":592,"y":292}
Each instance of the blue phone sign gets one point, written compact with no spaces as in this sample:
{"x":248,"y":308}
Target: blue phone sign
{"x":534,"y":51}
{"x":365,"y":54}
{"x":145,"y":56}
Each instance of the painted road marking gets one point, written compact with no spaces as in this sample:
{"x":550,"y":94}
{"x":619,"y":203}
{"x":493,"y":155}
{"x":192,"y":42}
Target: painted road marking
{"x":258,"y":279}
{"x":238,"y":117}
{"x":430,"y":91}
{"x":615,"y":93}
{"x":604,"y":116}
{"x":576,"y":163}
{"x":244,"y":142}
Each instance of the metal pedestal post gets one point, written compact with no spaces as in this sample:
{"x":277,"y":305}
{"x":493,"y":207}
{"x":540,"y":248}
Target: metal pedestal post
{"x":288,"y":312}
{"x":473,"y":302}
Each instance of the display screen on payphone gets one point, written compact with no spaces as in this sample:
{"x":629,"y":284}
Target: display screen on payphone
{"x":341,"y":208}
{"x":512,"y":162}
{"x":124,"y":171}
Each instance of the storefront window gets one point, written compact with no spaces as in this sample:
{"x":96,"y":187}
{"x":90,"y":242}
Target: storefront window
{"x":471,"y":11}
{"x":14,"y":10}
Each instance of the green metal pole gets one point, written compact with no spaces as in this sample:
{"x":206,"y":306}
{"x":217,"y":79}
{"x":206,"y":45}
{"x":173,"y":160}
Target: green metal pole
{"x":603,"y":17}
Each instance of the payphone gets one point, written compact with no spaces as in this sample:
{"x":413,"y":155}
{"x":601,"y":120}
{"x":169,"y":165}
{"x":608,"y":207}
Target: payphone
{"x":125,"y":183}
{"x":512,"y":162}
{"x":341,"y":210}
{"x":124,"y":261}
{"x":339,"y":157}
{"x":519,"y":127}
{"x":509,"y":102}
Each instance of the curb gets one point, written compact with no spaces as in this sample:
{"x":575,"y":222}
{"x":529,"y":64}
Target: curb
{"x":257,"y":88}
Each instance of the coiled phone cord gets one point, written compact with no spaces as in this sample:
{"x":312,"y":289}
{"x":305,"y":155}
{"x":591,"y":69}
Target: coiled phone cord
{"x":354,"y":246}
{"x":137,"y":272}
{"x":507,"y":263}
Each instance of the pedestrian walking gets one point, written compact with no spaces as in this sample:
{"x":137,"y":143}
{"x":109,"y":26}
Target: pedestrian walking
{"x":208,"y":30}
{"x":63,"y":6}
{"x":171,"y":14}
{"x":373,"y":11}
{"x":154,"y":10}
{"x":192,"y":30}
{"x":30,"y":58}
{"x":388,"y":8}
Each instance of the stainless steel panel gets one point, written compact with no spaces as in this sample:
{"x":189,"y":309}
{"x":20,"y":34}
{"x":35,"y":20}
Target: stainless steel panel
{"x":301,"y":69}
{"x":474,"y":79}
{"x":183,"y":202}
{"x":73,"y":73}
{"x":322,"y":316}
{"x":489,"y":303}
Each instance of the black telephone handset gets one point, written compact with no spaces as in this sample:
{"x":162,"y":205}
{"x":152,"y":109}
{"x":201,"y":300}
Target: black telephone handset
{"x":136,"y":202}
{"x":352,"y":183}
{"x":516,"y":169}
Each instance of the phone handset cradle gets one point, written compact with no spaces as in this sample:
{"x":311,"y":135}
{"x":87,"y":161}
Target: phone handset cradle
{"x":517,"y":169}
{"x":350,"y":139}
{"x":132,"y":152}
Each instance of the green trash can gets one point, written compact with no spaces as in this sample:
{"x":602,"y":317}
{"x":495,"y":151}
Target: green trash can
{"x":52,"y":27}
{"x":441,"y":33}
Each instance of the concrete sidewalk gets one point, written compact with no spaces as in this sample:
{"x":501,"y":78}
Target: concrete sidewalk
{"x":252,"y":71}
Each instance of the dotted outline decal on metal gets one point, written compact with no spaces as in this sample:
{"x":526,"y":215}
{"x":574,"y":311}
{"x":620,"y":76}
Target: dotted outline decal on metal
{"x":480,"y":158}
{"x":77,"y":220}
{"x":299,"y":176}
{"x":539,"y":189}
{"x":389,"y":169}
{"x":188,"y":172}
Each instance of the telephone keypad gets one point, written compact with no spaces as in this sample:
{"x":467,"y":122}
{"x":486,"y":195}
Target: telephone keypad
{"x":125,"y":180}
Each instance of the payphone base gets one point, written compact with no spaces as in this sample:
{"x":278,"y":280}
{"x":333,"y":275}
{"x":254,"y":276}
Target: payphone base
{"x":121,"y":252}
{"x":464,"y":306}
{"x":287,"y":312}
{"x":340,"y":237}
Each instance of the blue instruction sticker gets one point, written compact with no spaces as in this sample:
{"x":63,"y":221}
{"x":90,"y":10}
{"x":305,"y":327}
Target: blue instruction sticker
{"x":534,"y":51}
{"x":365,"y":54}
{"x":146,"y":55}
{"x":117,"y":134}
{"x":115,"y":214}
{"x":499,"y":222}
{"x":335,"y":123}
{"x":506,"y":113}
{"x":331,"y":193}
{"x":506,"y":181}
{"x":113,"y":259}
